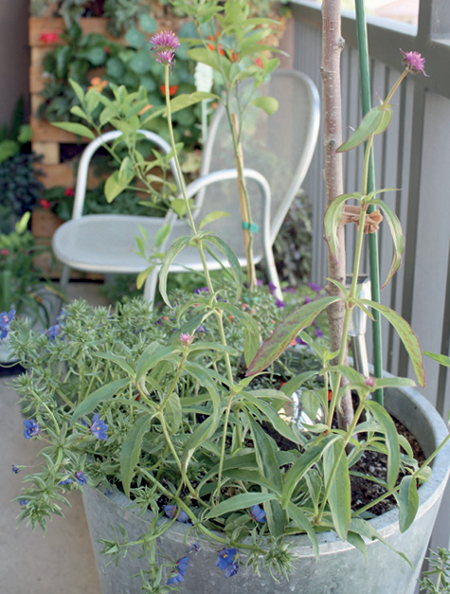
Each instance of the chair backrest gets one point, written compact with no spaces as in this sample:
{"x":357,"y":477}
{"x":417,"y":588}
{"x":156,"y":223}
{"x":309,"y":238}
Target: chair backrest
{"x":279,"y":146}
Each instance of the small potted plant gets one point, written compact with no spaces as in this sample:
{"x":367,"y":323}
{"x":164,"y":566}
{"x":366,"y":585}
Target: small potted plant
{"x":180,"y":428}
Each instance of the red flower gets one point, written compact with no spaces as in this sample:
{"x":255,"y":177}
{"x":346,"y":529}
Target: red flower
{"x":259,"y":62}
{"x":107,"y":49}
{"x":45,"y":203}
{"x":172,"y":90}
{"x":69,"y":192}
{"x":4,"y":252}
{"x":49,"y":37}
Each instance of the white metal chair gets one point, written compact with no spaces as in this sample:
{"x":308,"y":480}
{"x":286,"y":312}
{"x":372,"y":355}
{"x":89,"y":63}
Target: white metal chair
{"x":277,"y":151}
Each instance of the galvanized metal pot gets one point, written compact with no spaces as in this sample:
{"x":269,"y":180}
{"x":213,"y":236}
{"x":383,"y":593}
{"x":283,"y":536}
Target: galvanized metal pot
{"x":341,"y":569}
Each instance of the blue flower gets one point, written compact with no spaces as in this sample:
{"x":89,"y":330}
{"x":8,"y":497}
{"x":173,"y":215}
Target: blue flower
{"x":279,"y":303}
{"x":81,"y":477}
{"x":23,"y":501}
{"x":319,"y":333}
{"x":5,"y":321}
{"x":178,"y":576}
{"x":194,"y":548}
{"x":31,"y":428}
{"x":15,"y":469}
{"x":272,"y":288}
{"x":201,"y":290}
{"x":227,"y":561}
{"x":99,"y":427}
{"x":258,"y":514}
{"x":54,"y":331}
{"x":171,"y":510}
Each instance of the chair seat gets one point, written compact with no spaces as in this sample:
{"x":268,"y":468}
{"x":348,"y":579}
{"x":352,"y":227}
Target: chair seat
{"x":107,"y":243}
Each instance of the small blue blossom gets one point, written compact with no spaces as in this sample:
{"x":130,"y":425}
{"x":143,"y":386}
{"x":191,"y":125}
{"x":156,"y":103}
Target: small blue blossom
{"x":54,"y":331}
{"x":179,"y":573}
{"x":227,"y":561}
{"x":31,"y":428}
{"x":319,"y":333}
{"x":201,"y":329}
{"x":15,"y":469}
{"x":81,"y":477}
{"x":171,"y":510}
{"x":5,"y":321}
{"x":272,"y":288}
{"x":258,"y":514}
{"x":201,"y":290}
{"x":194,"y":548}
{"x":99,"y":427}
{"x":23,"y":502}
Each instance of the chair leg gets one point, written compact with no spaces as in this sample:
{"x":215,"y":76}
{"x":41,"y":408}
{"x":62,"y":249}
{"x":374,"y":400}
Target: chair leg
{"x":63,"y":283}
{"x":273,"y":274}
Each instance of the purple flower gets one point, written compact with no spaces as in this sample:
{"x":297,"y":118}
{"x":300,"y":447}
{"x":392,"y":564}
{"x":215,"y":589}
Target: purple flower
{"x":171,"y":510}
{"x":279,"y":303}
{"x":414,"y":62}
{"x":272,"y":288}
{"x":258,"y":514}
{"x":316,"y":288}
{"x":23,"y":501}
{"x":178,"y":576}
{"x":299,"y":340}
{"x":319,"y":333}
{"x":186,"y":339}
{"x":99,"y":428}
{"x":5,"y":321}
{"x":289,"y":290}
{"x":201,"y":290}
{"x":166,"y":44}
{"x":227,"y":560}
{"x":306,"y":300}
{"x":201,"y":329}
{"x":81,"y":477}
{"x":15,"y":469}
{"x":31,"y":428}
{"x":54,"y":331}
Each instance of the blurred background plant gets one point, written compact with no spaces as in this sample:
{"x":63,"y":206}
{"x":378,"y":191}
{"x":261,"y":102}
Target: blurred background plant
{"x":19,"y":185}
{"x":22,"y":283}
{"x":436,"y":580}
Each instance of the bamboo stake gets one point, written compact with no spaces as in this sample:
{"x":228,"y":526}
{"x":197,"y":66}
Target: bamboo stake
{"x":245,"y":215}
{"x":366,"y":104}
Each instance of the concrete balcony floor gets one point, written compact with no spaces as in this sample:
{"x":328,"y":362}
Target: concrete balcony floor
{"x":62,"y":560}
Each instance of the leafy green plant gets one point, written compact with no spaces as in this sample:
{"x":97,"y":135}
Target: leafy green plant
{"x":21,"y":281}
{"x":19,"y":185}
{"x":436,"y":580}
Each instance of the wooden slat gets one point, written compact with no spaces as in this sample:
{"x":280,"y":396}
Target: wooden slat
{"x":63,"y":174}
{"x":48,"y":150}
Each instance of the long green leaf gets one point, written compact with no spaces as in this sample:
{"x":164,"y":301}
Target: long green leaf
{"x":372,"y":120}
{"x":408,"y":502}
{"x":211,"y":58}
{"x":267,"y":104}
{"x":397,"y":236}
{"x":274,"y":418}
{"x":152,"y":356}
{"x":442,"y":359}
{"x":181,"y":101}
{"x":250,"y":476}
{"x":407,"y":336}
{"x":286,"y":331}
{"x":213,"y":216}
{"x":74,"y":128}
{"x":120,"y":361}
{"x":100,"y":396}
{"x":296,"y":514}
{"x":131,"y":451}
{"x":367,"y":530}
{"x":232,"y":259}
{"x":392,"y":444}
{"x":339,"y":495}
{"x":238,"y":503}
{"x":171,"y":254}
{"x":202,"y":433}
{"x":295,"y":474}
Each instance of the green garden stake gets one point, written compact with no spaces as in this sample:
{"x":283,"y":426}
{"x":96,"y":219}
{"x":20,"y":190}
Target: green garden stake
{"x":366,"y":104}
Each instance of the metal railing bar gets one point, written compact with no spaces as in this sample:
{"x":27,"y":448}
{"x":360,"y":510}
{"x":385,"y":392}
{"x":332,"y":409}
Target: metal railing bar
{"x":445,"y":346}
